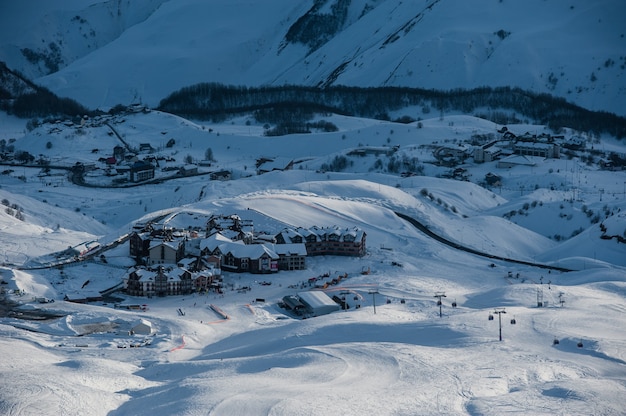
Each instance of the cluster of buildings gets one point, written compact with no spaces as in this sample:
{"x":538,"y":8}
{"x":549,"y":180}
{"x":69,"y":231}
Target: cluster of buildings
{"x":175,"y":262}
{"x":508,"y":149}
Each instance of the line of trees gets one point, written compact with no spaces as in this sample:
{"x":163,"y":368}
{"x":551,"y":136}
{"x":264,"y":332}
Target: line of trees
{"x":23,"y":98}
{"x":213,"y":101}
{"x":44,"y":103}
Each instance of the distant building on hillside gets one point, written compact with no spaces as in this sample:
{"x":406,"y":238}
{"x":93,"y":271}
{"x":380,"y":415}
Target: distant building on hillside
{"x":269,"y":165}
{"x":545,"y":150}
{"x":141,"y":171}
{"x":221,"y":175}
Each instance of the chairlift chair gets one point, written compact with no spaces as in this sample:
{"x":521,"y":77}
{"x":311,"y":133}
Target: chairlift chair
{"x":490,"y":317}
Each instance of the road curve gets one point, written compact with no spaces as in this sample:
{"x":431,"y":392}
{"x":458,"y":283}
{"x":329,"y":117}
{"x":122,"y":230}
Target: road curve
{"x":458,"y":246}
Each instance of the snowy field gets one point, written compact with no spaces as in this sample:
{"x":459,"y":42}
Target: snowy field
{"x":393,"y":354}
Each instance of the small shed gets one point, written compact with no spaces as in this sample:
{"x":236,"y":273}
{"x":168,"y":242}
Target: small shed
{"x":142,"y":327}
{"x":188,"y":170}
{"x":318,"y":302}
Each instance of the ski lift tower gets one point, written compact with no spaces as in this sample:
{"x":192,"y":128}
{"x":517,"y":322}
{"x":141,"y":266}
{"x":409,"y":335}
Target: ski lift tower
{"x":439,"y":295}
{"x":373,"y":293}
{"x":499,"y":311}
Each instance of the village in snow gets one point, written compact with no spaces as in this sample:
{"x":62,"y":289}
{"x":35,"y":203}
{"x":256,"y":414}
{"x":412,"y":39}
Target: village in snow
{"x":448,"y":260}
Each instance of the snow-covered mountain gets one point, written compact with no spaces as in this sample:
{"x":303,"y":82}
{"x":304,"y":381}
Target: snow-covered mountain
{"x":536,"y":238}
{"x":105,"y":53}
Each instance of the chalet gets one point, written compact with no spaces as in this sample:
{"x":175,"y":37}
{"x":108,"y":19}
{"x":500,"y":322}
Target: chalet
{"x":487,"y":153}
{"x":166,"y":251}
{"x":290,"y":256}
{"x":263,"y":238}
{"x":208,"y":275}
{"x":139,"y":244}
{"x":545,"y":150}
{"x":83,"y":297}
{"x":288,"y":236}
{"x":493,"y":179}
{"x":252,"y":258}
{"x":188,"y":170}
{"x":279,"y":163}
{"x":331,"y":241}
{"x":75,"y":298}
{"x":145,"y":147}
{"x":231,"y":226}
{"x":158,"y":282}
{"x":574,"y":143}
{"x":141,"y":171}
{"x":450,"y":156}
{"x":222,"y":175}
{"x":215,"y":243}
{"x":508,"y":135}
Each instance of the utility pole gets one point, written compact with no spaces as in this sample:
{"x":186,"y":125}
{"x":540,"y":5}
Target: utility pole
{"x":374,"y":293}
{"x":499,"y":311}
{"x":439,"y":295}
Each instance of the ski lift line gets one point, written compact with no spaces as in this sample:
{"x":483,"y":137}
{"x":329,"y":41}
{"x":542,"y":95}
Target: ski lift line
{"x":458,"y":246}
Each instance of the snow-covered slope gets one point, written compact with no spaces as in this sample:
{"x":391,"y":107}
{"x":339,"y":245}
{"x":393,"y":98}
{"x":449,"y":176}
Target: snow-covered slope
{"x":393,"y":352}
{"x":114,"y":52}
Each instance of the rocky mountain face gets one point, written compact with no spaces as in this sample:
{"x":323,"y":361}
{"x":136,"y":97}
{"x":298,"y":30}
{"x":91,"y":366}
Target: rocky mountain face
{"x":122,"y":51}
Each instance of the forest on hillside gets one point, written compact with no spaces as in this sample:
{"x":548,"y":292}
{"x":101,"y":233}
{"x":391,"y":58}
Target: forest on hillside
{"x":503,"y":105}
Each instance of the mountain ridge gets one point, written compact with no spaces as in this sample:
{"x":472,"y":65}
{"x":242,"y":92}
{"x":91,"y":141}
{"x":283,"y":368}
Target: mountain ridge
{"x":568,"y":49}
